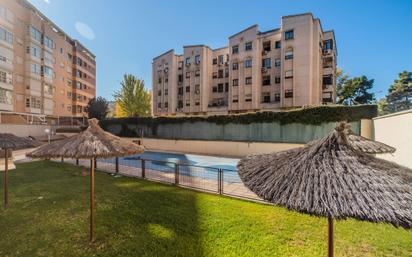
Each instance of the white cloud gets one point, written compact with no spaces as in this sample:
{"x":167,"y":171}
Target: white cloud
{"x":47,"y":1}
{"x":84,"y":30}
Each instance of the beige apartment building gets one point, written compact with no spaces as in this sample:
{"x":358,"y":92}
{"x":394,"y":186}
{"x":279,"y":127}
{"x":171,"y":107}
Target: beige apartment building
{"x":44,"y":73}
{"x":292,"y":66}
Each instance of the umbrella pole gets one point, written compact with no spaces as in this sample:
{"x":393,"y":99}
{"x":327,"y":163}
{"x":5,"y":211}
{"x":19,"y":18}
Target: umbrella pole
{"x":92,"y":201}
{"x":330,"y":237}
{"x":6,"y":168}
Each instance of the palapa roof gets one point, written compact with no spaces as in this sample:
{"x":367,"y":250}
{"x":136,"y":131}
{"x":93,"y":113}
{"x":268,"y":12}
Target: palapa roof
{"x":11,"y":141}
{"x":94,"y":142}
{"x":332,"y":177}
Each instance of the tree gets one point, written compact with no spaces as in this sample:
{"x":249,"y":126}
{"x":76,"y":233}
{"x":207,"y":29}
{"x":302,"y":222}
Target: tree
{"x":132,"y":98}
{"x":400,"y":93}
{"x":98,"y":108}
{"x":118,"y":111}
{"x":355,"y":90}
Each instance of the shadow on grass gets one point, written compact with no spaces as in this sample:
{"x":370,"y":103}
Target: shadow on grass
{"x":49,"y":211}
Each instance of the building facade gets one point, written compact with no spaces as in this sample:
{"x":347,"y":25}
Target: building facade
{"x":43,"y":72}
{"x":292,"y":66}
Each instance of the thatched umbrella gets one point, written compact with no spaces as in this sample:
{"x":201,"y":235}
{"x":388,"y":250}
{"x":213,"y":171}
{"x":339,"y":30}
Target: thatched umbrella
{"x":333,"y":178}
{"x":92,"y":143}
{"x":11,"y":142}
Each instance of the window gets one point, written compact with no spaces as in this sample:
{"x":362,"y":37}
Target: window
{"x":289,"y":34}
{"x":6,"y":96}
{"x":278,"y":44}
{"x":166,"y":80}
{"x":220,"y":88}
{"x":214,"y":89}
{"x":187,"y":61}
{"x":6,"y":35}
{"x":214,"y":61}
{"x":180,"y":78}
{"x":197,"y":102}
{"x":266,"y":63}
{"x":277,"y":80}
{"x":248,"y":46}
{"x":248,"y":63}
{"x":277,"y":97}
{"x":277,"y":62}
{"x":221,"y":59}
{"x":235,"y":49}
{"x":288,"y":74}
{"x":328,"y":44}
{"x":266,"y":97}
{"x":235,"y":66}
{"x":35,"y":34}
{"x":159,"y":92}
{"x":288,"y":93}
{"x":187,"y":102}
{"x":6,"y":14}
{"x":166,"y":91}
{"x":266,"y":46}
{"x":248,"y":98}
{"x":197,"y":89}
{"x":188,"y":74}
{"x":226,"y":72}
{"x":33,"y":102}
{"x":327,"y":97}
{"x":61,"y":50}
{"x":226,"y":87}
{"x":34,"y":51}
{"x":48,"y":42}
{"x":235,"y":82}
{"x":235,"y":99}
{"x":248,"y":80}
{"x":35,"y":68}
{"x":289,"y":55}
{"x":159,"y":105}
{"x":327,"y":80}
{"x":266,"y":80}
{"x":166,"y":105}
{"x":48,"y":72}
{"x":197,"y":73}
{"x":187,"y":89}
{"x":180,"y":91}
{"x":197,"y":59}
{"x":6,"y":77}
{"x":214,"y":75}
{"x":220,"y":73}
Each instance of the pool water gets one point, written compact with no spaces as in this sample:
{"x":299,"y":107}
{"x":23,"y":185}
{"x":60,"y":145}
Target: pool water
{"x":195,"y":165}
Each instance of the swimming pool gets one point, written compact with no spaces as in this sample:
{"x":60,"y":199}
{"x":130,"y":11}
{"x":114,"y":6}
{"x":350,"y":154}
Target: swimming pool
{"x":192,"y":165}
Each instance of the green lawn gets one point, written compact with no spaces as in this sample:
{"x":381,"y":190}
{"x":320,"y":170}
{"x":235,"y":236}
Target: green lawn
{"x":48,"y":216}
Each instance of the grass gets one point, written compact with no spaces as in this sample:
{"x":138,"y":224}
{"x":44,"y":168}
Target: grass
{"x":48,"y":216}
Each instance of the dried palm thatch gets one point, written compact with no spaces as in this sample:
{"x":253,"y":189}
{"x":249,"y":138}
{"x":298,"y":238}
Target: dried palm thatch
{"x":333,"y":177}
{"x":94,"y":142}
{"x":10,"y":141}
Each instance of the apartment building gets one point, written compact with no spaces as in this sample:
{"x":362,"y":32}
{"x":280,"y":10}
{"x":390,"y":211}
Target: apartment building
{"x":287,"y":67}
{"x":43,"y":71}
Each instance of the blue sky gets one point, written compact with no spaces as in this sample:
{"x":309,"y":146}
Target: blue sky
{"x":373,"y":37}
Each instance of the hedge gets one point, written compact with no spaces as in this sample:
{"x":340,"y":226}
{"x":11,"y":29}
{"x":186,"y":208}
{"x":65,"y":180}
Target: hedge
{"x":308,"y":115}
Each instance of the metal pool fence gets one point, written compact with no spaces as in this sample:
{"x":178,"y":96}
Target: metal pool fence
{"x":209,"y":179}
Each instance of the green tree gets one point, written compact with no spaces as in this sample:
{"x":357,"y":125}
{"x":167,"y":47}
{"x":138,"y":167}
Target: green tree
{"x":355,"y":90}
{"x":399,"y":97}
{"x":98,"y":108}
{"x":132,"y":97}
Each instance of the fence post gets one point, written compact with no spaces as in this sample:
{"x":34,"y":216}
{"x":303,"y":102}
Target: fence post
{"x":220,"y":181}
{"x":62,"y":160}
{"x":143,"y":168}
{"x":176,"y":174}
{"x":77,"y":161}
{"x":117,"y":164}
